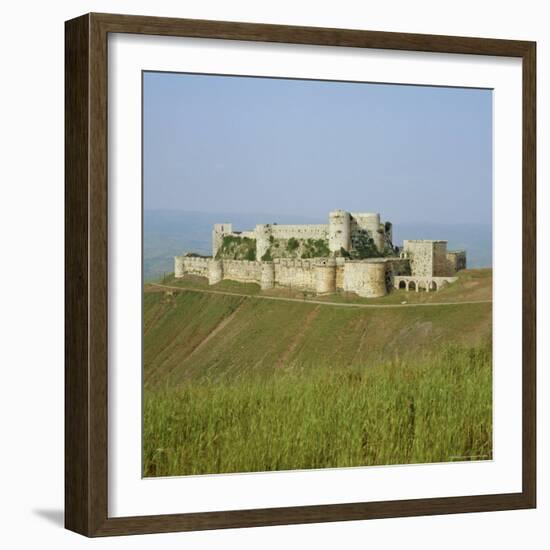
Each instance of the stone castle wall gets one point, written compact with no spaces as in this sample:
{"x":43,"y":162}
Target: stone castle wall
{"x":191,"y":265}
{"x":340,"y":264}
{"x":295,"y":273}
{"x":370,"y":278}
{"x":367,"y":278}
{"x":440,"y":265}
{"x":420,"y":260}
{"x":242,"y":271}
{"x":398,"y":266}
{"x":428,"y":258}
{"x":245,"y":234}
{"x":341,"y":232}
{"x":456,"y":260}
{"x":420,"y":254}
{"x":265,"y":233}
{"x":300,"y":231}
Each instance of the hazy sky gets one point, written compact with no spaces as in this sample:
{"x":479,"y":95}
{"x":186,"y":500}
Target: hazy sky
{"x":241,"y":144}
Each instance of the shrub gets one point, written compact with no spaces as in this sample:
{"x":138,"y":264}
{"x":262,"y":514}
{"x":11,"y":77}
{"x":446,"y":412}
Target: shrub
{"x":235,"y":247}
{"x":316,"y":248}
{"x":364,"y":247}
{"x":344,"y":253}
{"x":292,"y":244}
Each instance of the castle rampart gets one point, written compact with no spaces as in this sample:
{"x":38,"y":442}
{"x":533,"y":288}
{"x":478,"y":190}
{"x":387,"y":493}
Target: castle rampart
{"x":297,"y":274}
{"x":242,"y":271}
{"x":299,"y":231}
{"x":194,"y":265}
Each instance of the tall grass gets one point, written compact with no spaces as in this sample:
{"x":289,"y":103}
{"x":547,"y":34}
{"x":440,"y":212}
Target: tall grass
{"x":435,"y":408}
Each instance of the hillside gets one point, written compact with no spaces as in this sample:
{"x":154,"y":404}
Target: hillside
{"x":238,"y":381}
{"x":190,"y":334}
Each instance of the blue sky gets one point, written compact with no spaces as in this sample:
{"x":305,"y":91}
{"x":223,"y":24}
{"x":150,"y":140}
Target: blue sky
{"x":279,"y":146}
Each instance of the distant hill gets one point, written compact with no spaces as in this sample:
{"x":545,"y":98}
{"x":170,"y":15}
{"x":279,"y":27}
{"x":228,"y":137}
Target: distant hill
{"x":167,"y":233}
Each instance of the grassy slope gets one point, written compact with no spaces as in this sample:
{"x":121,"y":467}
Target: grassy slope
{"x":393,"y":413}
{"x":263,"y":335}
{"x":237,"y":383}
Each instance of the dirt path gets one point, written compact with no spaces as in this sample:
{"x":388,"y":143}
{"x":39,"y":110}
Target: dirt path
{"x":218,"y":328}
{"x":308,"y":301}
{"x":298,"y":337}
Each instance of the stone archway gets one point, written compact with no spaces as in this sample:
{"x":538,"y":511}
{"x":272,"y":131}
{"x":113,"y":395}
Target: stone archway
{"x":413,"y":285}
{"x":402,"y":284}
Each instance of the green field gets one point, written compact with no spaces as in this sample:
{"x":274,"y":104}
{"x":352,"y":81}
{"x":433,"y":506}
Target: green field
{"x":239,"y":383}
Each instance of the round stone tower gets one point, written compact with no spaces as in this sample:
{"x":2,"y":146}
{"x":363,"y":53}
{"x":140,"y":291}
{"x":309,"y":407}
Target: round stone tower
{"x":325,"y":276}
{"x":339,"y":233}
{"x":178,"y":267}
{"x":267,"y":275}
{"x":375,"y":281}
{"x":263,"y":233}
{"x":372,"y":224}
{"x":367,"y":278}
{"x":215,"y":271}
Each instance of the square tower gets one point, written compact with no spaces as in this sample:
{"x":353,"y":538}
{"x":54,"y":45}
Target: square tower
{"x":428,"y":258}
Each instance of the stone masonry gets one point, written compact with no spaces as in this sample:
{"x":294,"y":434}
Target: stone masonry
{"x":418,"y":264}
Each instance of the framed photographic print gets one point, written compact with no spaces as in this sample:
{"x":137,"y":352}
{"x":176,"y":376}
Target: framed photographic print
{"x":300,"y":274}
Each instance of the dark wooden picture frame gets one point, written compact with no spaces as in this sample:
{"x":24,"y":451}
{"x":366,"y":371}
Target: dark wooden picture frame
{"x":86,"y":281}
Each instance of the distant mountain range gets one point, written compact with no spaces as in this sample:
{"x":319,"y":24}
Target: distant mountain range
{"x":167,"y":233}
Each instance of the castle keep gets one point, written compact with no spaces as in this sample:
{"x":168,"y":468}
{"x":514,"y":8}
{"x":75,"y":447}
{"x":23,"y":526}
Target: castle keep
{"x":354,"y":252}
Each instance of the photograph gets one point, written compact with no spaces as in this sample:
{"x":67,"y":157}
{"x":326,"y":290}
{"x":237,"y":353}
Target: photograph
{"x":317,"y":274}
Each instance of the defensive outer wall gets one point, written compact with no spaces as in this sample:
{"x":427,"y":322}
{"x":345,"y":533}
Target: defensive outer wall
{"x":368,"y":278}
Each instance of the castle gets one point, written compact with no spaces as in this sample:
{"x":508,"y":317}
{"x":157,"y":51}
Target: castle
{"x":354,"y":252}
